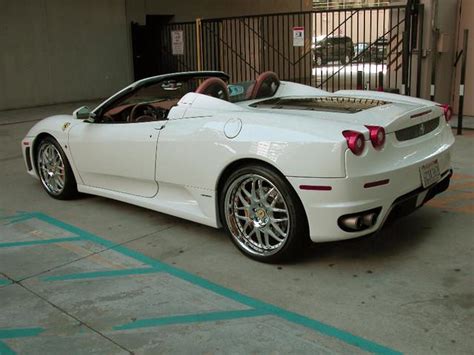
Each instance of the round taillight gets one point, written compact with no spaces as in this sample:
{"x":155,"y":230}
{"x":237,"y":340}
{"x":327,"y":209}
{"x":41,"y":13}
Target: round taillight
{"x":355,"y":141}
{"x":377,"y":136}
{"x":448,"y":111}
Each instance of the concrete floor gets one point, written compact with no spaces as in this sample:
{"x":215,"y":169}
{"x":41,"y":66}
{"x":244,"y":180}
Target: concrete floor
{"x":96,"y":275}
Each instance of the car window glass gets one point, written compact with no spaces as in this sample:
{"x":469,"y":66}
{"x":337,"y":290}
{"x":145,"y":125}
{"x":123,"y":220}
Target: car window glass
{"x":166,"y":90}
{"x":239,"y":91}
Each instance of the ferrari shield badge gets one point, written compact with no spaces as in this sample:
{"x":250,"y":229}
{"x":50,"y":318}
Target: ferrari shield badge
{"x":66,"y":125}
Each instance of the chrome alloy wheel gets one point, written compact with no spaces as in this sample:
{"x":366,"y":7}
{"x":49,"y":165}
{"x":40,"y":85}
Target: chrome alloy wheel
{"x":257,"y":215}
{"x":51,"y":168}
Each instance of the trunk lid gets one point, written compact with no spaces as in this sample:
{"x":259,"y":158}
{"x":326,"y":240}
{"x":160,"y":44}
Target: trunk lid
{"x":393,"y":112}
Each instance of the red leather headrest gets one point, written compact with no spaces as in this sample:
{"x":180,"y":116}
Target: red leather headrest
{"x":266,"y":85}
{"x":214,"y":87}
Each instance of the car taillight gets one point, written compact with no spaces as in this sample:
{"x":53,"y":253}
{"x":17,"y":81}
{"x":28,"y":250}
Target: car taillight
{"x":448,"y":111}
{"x":377,"y":136}
{"x":355,"y":141}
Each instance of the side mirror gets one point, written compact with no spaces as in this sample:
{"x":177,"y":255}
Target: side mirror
{"x":82,"y":113}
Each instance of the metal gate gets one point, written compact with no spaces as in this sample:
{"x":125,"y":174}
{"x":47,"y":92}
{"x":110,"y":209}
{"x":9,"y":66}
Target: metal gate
{"x":370,"y":48}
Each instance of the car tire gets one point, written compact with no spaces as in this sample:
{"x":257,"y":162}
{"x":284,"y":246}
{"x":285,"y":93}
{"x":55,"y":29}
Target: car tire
{"x":54,"y":170}
{"x":262,"y":214}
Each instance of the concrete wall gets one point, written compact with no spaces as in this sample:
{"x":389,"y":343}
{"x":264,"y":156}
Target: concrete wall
{"x":439,"y":15}
{"x":69,"y":50}
{"x":62,"y":50}
{"x":444,"y":15}
{"x":465,"y":22}
{"x":189,"y":10}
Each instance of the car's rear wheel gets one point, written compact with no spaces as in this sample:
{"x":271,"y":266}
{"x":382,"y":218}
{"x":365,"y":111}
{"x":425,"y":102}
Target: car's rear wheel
{"x":54,"y":170}
{"x":263,"y":214}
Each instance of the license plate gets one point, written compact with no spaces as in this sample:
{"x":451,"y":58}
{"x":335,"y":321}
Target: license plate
{"x":430,"y":173}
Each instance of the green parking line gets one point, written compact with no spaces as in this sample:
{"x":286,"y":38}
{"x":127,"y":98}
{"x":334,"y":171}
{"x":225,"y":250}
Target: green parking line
{"x":4,"y":282}
{"x":19,"y":217}
{"x":315,"y":325}
{"x":5,"y":349}
{"x":93,"y":238}
{"x":257,"y":305}
{"x":8,"y":333}
{"x":39,"y":242}
{"x":99,"y":274}
{"x":192,"y":318}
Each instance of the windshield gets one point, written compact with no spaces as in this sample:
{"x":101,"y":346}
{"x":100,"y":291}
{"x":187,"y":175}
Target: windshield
{"x":164,"y":91}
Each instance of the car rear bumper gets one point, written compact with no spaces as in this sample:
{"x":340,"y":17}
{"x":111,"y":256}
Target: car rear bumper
{"x":394,"y":194}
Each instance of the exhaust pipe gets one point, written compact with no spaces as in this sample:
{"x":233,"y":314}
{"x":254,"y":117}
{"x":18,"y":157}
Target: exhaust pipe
{"x":355,"y":223}
{"x":369,"y":219}
{"x":360,"y":221}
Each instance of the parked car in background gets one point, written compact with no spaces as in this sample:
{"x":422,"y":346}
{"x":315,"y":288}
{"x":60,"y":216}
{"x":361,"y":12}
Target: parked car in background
{"x":379,"y":50}
{"x":375,"y":52}
{"x":330,"y":49}
{"x":360,"y":51}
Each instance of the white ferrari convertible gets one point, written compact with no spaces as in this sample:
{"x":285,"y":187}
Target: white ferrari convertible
{"x":273,"y":162}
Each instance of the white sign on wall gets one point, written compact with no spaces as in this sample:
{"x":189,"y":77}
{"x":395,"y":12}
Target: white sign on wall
{"x":177,"y":42}
{"x":298,"y":36}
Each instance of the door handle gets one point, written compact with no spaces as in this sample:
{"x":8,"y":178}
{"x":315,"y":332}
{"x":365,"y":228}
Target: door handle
{"x":159,"y":128}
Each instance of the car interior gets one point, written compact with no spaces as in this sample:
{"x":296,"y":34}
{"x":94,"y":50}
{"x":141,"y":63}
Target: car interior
{"x":154,"y":102}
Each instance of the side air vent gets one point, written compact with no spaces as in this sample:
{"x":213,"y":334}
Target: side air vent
{"x":28,"y":158}
{"x":417,"y":130}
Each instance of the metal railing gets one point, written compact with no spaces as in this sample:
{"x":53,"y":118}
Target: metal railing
{"x":337,"y":48}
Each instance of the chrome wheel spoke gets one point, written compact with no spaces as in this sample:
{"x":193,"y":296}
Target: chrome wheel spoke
{"x":247,"y":193}
{"x":60,"y":181}
{"x":253,"y":191}
{"x":274,"y":201}
{"x":279,"y":210}
{"x":278,"y":229}
{"x":260,"y":193}
{"x":274,"y":236}
{"x":47,"y":179}
{"x":49,"y":153}
{"x":276,"y":220}
{"x":242,"y":199}
{"x":251,"y":233}
{"x":267,"y":239}
{"x":259,"y":237}
{"x":268,"y":193}
{"x":54,"y":183}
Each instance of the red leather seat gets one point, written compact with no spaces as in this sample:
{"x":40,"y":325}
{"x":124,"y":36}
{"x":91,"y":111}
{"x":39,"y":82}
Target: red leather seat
{"x":214,"y":87}
{"x":266,"y":85}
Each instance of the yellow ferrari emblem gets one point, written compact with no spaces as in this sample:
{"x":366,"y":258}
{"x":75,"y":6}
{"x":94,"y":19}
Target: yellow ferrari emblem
{"x":66,"y":125}
{"x":261,"y":213}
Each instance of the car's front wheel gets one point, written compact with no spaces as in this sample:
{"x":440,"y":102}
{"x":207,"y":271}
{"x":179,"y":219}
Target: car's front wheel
{"x":54,"y":170}
{"x":263,"y":214}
